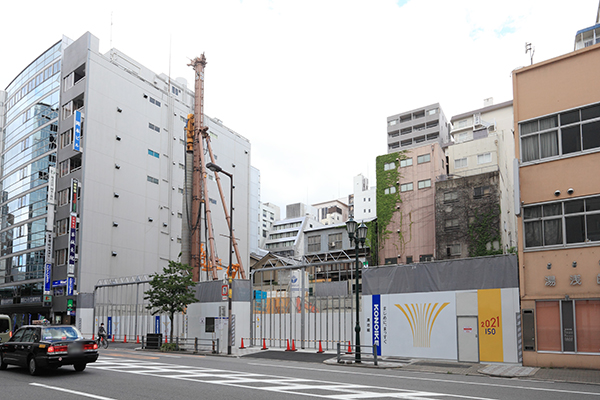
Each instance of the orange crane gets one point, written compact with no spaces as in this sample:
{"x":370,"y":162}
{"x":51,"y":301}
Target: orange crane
{"x":197,"y":137}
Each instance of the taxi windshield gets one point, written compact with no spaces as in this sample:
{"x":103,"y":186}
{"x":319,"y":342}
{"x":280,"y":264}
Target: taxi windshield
{"x":60,"y":333}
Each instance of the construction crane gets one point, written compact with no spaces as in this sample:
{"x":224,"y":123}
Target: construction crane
{"x":197,"y":138}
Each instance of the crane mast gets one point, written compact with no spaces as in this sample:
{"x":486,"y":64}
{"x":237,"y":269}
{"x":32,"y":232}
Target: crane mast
{"x":197,"y":135}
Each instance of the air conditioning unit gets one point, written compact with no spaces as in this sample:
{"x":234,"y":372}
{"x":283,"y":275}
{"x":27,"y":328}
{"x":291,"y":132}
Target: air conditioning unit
{"x":332,"y":244}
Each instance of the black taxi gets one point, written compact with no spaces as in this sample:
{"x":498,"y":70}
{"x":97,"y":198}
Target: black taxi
{"x":48,"y":346}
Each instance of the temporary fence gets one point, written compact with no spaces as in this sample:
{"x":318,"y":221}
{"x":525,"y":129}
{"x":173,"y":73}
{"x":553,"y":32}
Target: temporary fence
{"x":304,"y":304}
{"x":120,"y":305}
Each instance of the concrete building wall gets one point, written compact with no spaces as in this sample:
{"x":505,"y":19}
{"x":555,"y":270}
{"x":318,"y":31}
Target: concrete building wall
{"x":559,"y":276}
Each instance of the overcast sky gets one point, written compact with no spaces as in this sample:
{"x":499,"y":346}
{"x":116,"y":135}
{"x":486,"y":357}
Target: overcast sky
{"x":310,"y":83}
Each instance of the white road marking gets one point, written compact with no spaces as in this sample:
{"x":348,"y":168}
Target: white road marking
{"x":436,"y":380}
{"x":270,"y":383}
{"x":93,"y":396}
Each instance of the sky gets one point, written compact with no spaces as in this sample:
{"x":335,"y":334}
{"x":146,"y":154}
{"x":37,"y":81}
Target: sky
{"x":310,"y":83}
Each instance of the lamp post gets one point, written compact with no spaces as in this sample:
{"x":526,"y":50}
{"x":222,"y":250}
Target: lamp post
{"x":215,"y":168}
{"x":358,"y":236}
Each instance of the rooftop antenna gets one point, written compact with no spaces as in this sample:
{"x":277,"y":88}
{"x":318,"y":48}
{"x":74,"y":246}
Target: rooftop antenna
{"x":530,"y":50}
{"x":111,"y":27}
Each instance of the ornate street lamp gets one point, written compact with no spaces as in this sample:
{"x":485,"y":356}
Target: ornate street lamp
{"x":215,"y":168}
{"x":357,"y":236}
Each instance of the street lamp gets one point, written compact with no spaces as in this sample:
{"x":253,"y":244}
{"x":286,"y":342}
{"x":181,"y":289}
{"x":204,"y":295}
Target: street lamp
{"x":215,"y":168}
{"x":358,"y":236}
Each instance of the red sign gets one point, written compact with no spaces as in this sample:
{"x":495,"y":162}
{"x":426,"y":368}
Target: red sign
{"x":224,"y":290}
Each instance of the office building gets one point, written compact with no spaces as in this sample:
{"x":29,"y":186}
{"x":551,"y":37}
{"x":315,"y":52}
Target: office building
{"x":557,"y":143}
{"x":112,"y":132}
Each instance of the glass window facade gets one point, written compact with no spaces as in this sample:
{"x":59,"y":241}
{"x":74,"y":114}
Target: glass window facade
{"x":28,"y":137}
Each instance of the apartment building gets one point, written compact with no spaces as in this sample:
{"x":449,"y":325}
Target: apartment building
{"x":417,"y":127}
{"x":474,"y":201}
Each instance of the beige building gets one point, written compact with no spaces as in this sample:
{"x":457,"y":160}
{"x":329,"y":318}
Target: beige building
{"x":406,"y":212}
{"x":557,"y":142}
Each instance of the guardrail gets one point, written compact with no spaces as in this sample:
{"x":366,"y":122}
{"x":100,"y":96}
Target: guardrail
{"x":195,"y":345}
{"x":339,"y":352}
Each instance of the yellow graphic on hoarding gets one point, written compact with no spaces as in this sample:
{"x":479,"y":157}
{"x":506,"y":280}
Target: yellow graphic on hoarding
{"x":421,"y":318}
{"x":489,"y":304}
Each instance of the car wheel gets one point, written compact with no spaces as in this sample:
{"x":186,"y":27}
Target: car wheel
{"x":3,"y":365}
{"x":79,"y":367}
{"x":33,"y":367}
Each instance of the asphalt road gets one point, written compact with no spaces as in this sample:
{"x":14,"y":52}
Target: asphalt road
{"x":129,"y":375}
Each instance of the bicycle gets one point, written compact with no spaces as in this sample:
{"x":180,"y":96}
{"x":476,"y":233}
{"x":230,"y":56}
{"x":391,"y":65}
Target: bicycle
{"x":102,"y":342}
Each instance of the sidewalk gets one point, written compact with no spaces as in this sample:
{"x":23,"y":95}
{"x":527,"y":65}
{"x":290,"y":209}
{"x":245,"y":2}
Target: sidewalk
{"x":508,"y":371}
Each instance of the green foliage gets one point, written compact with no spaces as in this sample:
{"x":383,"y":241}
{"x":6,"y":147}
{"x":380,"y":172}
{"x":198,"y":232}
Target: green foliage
{"x":172,"y":291}
{"x":482,"y":231}
{"x":386,"y":203}
{"x":169,"y":347}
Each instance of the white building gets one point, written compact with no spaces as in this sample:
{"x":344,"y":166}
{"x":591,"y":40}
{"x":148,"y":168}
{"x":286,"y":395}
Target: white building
{"x":365,"y":199}
{"x":119,"y":192}
{"x":269,"y":214}
{"x":483,"y":142}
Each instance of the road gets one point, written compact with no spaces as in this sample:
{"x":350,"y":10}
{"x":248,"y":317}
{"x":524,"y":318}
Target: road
{"x":130,"y":375}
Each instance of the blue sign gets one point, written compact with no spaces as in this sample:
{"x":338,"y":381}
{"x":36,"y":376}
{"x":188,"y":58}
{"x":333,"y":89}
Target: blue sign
{"x":70,"y":284}
{"x":109,"y":327}
{"x":157,"y":324}
{"x":77,"y":132}
{"x":62,"y":282}
{"x":377,"y":322}
{"x":47,"y":277}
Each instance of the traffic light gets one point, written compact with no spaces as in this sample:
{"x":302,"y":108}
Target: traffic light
{"x":189,"y":129}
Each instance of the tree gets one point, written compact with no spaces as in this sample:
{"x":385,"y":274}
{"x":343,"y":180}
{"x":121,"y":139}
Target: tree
{"x":172,"y":291}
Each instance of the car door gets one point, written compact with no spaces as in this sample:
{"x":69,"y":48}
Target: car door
{"x":10,"y":356}
{"x":23,"y":349}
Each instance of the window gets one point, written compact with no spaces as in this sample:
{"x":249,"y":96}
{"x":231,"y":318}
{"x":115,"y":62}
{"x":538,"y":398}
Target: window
{"x":463,"y":123}
{"x":60,"y":257}
{"x":484,"y":158}
{"x":419,"y":114}
{"x":409,"y":259}
{"x":426,"y":257}
{"x":406,"y":163}
{"x":452,"y":223}
{"x":405,"y":143}
{"x":314,"y":243}
{"x":561,"y":223}
{"x":453,"y":250}
{"x":67,"y":110}
{"x":390,"y":190}
{"x":424,"y":184}
{"x":461,"y":137}
{"x":450,"y":196}
{"x":480,"y":191}
{"x":423,"y":158}
{"x":406,"y":187}
{"x":394,"y":145}
{"x":433,"y":111}
{"x":392,"y":122}
{"x":405,"y":118}
{"x":61,"y":226}
{"x":153,"y":127}
{"x":63,"y":197}
{"x":389,"y":166}
{"x":406,"y":130}
{"x":176,"y":91}
{"x":564,"y":133}
{"x":152,"y":179}
{"x":155,"y":102}
{"x":66,"y":138}
{"x":63,"y":168}
{"x":153,"y":153}
{"x":460,"y":163}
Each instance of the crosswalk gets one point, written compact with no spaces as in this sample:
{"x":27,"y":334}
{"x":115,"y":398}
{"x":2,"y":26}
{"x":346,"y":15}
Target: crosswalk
{"x":269,"y":383}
